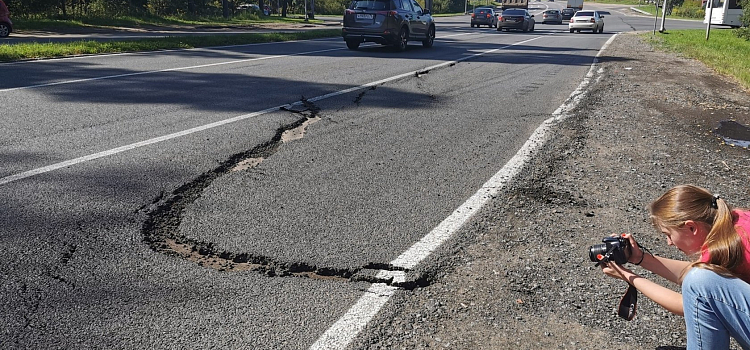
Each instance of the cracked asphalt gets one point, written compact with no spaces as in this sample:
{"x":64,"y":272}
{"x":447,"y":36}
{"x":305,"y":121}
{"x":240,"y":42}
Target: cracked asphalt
{"x":152,"y":247}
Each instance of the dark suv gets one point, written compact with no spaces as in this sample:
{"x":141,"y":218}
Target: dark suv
{"x":567,"y":13}
{"x":387,"y":22}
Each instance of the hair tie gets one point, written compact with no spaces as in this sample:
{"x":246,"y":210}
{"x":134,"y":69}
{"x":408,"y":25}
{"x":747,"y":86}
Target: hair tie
{"x":714,"y":200}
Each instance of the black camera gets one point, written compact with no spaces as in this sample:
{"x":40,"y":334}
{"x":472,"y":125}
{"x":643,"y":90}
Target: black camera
{"x":612,"y":249}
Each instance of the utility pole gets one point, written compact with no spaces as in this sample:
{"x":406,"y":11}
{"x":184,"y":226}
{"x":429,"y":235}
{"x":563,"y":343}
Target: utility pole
{"x":656,"y":15}
{"x":710,"y":6}
{"x":663,"y":17}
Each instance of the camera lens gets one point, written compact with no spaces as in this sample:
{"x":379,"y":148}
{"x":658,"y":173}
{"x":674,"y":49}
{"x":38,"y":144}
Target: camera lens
{"x":596,"y":250}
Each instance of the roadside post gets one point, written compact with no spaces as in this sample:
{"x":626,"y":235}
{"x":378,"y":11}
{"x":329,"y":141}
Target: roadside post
{"x":710,"y":4}
{"x":663,"y":17}
{"x":656,"y":15}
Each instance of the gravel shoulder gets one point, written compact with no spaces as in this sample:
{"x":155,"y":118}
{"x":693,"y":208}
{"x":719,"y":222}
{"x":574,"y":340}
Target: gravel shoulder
{"x":520,"y":276}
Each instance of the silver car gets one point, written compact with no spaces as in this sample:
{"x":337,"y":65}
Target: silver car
{"x":587,"y":20}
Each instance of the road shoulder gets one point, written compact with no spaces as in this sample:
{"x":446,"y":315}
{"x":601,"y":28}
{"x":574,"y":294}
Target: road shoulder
{"x":521,"y":277}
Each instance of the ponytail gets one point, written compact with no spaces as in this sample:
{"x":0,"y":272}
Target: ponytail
{"x":686,"y":202}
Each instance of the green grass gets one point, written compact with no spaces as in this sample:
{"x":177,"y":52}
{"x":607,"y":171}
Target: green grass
{"x":34,"y":23}
{"x":616,"y":2}
{"x":650,"y":10}
{"x":724,"y":52}
{"x":21,"y":51}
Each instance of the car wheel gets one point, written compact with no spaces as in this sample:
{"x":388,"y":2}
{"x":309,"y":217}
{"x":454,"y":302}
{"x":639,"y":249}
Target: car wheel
{"x":572,"y":30}
{"x":526,"y":28}
{"x":472,"y":25}
{"x":403,"y":38}
{"x":601,"y":30}
{"x":430,"y":37}
{"x":352,"y":44}
{"x":4,"y":30}
{"x":532,"y":27}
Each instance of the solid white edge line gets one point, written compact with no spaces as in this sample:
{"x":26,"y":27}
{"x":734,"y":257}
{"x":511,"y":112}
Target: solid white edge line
{"x":353,"y":321}
{"x":356,"y":318}
{"x":67,"y":163}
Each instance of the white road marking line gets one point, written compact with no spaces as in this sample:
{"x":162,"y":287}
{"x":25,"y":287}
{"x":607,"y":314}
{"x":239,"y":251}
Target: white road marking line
{"x":177,"y":68}
{"x":351,"y":323}
{"x":357,"y":318}
{"x":67,"y":163}
{"x":162,"y":70}
{"x":57,"y":59}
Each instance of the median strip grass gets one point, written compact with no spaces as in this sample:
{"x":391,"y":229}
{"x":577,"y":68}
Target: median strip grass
{"x":724,"y":51}
{"x":35,"y":50}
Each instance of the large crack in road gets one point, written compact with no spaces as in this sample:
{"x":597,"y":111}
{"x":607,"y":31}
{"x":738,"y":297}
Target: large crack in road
{"x":161,"y":227}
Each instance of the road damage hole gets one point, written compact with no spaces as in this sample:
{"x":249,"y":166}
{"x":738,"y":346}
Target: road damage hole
{"x":247,"y":164}
{"x":298,"y":132}
{"x":161,"y":229}
{"x":733,"y":133}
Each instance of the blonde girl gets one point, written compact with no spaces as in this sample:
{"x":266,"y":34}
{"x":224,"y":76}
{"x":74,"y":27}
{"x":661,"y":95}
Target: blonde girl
{"x":715,"y":298}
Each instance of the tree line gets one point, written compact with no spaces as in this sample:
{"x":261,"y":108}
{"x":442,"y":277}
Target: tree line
{"x":67,"y":9}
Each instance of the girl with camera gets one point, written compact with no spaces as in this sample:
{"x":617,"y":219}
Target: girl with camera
{"x":715,"y":298}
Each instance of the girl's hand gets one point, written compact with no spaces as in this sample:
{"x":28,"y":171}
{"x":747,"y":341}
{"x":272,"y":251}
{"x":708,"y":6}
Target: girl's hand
{"x":634,"y":252}
{"x":614,"y":270}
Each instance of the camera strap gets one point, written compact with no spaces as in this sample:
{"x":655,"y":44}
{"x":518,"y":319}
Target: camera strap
{"x":628,"y":303}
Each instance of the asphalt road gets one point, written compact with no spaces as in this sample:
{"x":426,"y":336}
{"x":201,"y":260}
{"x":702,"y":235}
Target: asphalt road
{"x":149,"y":200}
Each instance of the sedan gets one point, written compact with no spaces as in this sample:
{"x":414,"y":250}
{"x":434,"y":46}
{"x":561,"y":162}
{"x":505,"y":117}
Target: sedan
{"x":552,"y":16}
{"x":587,"y":20}
{"x":484,"y":16}
{"x":516,"y":19}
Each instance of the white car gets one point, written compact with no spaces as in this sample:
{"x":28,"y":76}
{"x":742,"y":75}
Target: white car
{"x":587,"y":20}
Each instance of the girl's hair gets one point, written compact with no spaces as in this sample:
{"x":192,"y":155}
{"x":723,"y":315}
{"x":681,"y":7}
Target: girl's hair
{"x":688,"y":202}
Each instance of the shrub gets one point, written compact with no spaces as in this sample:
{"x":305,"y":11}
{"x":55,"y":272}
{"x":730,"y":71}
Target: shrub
{"x":744,"y":31}
{"x":689,"y":12}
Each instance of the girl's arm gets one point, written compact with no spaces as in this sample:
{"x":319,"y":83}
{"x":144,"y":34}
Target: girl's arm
{"x":667,"y":298}
{"x":670,"y":269}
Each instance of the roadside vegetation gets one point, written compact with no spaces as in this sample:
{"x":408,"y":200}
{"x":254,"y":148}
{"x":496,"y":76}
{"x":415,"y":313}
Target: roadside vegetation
{"x":687,"y":9}
{"x":725,"y":52}
{"x":145,"y":21}
{"x":22,"y":51}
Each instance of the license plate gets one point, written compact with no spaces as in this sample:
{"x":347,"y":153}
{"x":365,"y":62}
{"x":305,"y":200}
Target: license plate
{"x":364,"y":16}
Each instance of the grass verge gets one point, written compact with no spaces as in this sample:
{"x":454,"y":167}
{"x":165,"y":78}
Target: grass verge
{"x":650,"y":9}
{"x":616,"y":2}
{"x":22,"y":51}
{"x":41,"y":23}
{"x":724,"y":52}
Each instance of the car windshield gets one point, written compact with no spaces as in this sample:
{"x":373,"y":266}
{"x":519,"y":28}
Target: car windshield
{"x":481,"y":10}
{"x":513,"y":13}
{"x":586,"y":13}
{"x":551,"y":12}
{"x":372,"y":5}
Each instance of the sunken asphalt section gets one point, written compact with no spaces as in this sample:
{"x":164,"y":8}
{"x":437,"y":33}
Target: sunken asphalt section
{"x":520,"y":277}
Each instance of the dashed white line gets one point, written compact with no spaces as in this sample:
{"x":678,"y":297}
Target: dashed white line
{"x":67,"y":163}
